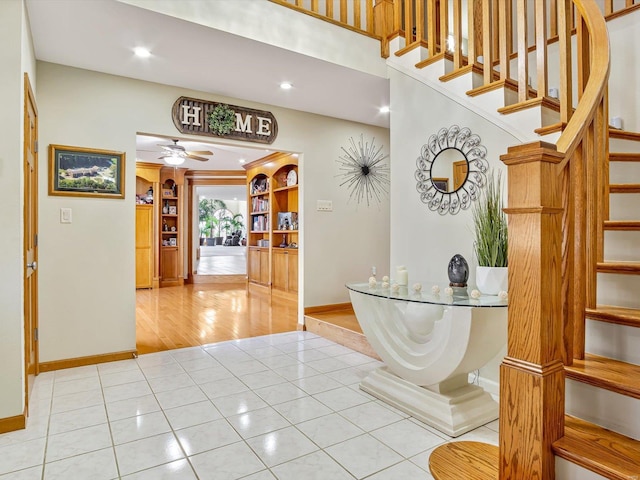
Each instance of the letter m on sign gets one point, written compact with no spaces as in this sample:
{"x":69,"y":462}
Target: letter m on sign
{"x":243,"y":126}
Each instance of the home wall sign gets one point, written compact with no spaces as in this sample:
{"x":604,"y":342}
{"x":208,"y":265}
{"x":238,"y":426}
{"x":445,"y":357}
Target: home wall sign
{"x":215,"y":119}
{"x":451,"y":170}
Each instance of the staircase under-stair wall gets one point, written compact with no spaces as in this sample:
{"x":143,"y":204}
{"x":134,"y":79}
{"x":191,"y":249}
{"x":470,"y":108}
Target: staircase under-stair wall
{"x":599,"y":292}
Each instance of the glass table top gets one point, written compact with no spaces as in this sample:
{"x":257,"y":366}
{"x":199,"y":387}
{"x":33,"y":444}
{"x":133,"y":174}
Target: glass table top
{"x":460,"y":296}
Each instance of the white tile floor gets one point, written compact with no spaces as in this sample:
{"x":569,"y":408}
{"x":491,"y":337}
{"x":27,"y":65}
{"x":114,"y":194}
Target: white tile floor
{"x":282,"y":406}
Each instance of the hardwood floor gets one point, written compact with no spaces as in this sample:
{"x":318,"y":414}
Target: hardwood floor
{"x":177,"y":317}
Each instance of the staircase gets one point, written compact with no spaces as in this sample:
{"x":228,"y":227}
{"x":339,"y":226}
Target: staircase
{"x":613,"y":376}
{"x":574,"y":310}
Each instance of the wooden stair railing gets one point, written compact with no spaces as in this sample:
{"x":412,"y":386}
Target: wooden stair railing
{"x":558,"y":212}
{"x":552,"y":253}
{"x":552,"y":239}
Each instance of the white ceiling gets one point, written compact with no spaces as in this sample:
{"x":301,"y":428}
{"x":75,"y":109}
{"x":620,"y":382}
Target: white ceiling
{"x":101,"y":34}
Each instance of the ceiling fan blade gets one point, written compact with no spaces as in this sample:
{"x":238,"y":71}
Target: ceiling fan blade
{"x":195,"y":157}
{"x":199,"y":152}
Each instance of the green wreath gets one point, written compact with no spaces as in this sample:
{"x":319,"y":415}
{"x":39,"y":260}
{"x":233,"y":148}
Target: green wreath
{"x":222,"y":119}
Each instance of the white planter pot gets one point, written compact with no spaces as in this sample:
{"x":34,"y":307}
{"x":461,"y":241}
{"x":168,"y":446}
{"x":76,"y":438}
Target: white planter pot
{"x":492,"y":280}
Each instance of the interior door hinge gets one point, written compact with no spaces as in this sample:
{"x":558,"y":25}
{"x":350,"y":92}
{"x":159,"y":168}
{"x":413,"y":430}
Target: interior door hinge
{"x":35,"y":147}
{"x":35,"y":333}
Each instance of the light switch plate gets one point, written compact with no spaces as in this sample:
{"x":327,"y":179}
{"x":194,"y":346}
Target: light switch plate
{"x":65,"y":215}
{"x":324,"y":205}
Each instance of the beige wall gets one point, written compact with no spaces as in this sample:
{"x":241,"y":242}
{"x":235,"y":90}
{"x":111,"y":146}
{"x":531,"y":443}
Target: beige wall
{"x":87,"y":294}
{"x":16,"y":57}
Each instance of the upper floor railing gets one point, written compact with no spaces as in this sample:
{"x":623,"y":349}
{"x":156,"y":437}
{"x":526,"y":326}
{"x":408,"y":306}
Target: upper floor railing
{"x":356,"y":15}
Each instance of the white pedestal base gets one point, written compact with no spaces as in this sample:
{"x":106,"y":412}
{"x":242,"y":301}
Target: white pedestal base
{"x":454,"y":413}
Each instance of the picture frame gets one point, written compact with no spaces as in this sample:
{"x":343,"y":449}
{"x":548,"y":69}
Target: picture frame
{"x":173,"y":242}
{"x":86,"y":172}
{"x":441,"y":184}
{"x":173,"y":210}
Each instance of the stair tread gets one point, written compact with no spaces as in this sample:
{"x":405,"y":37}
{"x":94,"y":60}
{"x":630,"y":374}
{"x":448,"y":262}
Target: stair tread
{"x":618,"y":315}
{"x":618,"y":267}
{"x":602,"y":451}
{"x":624,"y":188}
{"x":468,"y":460}
{"x":624,"y":134}
{"x":607,"y":373}
{"x":622,"y":225}
{"x":624,"y":157}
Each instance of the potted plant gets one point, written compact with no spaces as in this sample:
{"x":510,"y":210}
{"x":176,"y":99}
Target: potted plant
{"x":210,"y":215}
{"x":490,"y":238}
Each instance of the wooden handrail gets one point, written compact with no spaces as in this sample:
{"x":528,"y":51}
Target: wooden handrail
{"x":596,"y":84}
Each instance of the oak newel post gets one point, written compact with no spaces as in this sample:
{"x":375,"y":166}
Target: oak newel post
{"x":532,"y":373}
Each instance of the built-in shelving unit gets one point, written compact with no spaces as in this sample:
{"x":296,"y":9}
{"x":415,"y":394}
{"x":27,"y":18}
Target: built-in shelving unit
{"x":171,"y":222}
{"x":272,"y":240}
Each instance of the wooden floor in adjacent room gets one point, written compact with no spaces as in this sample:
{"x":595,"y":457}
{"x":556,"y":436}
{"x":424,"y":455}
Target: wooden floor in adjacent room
{"x":177,"y":317}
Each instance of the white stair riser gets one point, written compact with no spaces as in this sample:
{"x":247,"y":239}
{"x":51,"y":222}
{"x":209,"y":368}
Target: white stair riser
{"x":621,"y":245}
{"x":624,"y":206}
{"x":624,"y":172}
{"x":619,"y":290}
{"x":622,"y":145}
{"x":610,"y":410}
{"x":619,"y":342}
{"x":566,"y":470}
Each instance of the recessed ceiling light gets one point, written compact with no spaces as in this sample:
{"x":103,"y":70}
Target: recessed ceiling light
{"x":142,"y":52}
{"x":384,"y":109}
{"x":242,"y":160}
{"x":286,"y":86}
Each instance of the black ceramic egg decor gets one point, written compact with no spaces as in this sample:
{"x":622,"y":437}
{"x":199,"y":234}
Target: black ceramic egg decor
{"x":458,"y":271}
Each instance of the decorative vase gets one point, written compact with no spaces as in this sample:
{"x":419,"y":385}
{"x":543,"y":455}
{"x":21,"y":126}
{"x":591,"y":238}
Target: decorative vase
{"x":165,"y":209}
{"x":492,"y":280}
{"x":458,"y":271}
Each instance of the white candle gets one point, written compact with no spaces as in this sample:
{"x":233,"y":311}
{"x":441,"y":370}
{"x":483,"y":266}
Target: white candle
{"x":402,"y":276}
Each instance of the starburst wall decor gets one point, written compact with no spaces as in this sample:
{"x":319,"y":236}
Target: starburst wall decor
{"x":364,"y":172}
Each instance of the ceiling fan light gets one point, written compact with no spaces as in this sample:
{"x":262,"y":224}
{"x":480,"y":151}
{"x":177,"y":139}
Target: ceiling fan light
{"x":174,"y":160}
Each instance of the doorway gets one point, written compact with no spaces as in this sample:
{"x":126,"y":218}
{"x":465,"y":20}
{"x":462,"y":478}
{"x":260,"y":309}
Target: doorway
{"x":221,"y":225}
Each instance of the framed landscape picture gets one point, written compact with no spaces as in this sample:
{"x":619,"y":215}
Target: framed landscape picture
{"x":86,"y":172}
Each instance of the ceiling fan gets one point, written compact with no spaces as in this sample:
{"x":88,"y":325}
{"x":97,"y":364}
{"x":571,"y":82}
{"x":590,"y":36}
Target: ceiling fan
{"x":176,"y":154}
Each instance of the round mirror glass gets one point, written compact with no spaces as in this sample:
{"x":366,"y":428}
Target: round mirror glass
{"x":449,"y":170}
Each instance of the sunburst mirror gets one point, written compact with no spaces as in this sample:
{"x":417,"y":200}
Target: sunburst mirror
{"x":451,"y":170}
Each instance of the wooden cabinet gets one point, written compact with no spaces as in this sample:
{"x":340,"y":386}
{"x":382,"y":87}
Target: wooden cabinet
{"x":272,"y":195}
{"x":258,"y":265}
{"x":144,"y":246}
{"x":285,"y":270}
{"x":169,"y":262}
